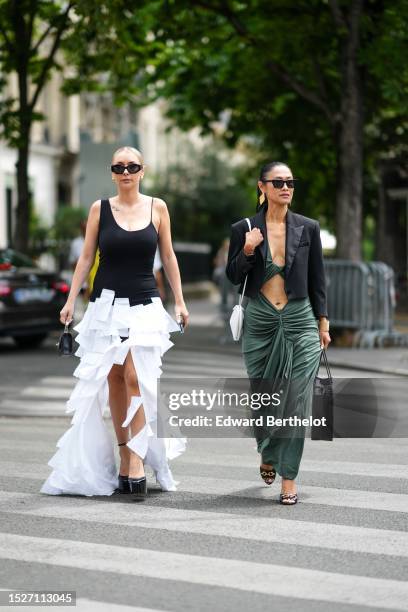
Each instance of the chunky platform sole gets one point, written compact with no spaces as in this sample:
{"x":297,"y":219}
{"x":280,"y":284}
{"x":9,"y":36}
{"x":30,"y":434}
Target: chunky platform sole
{"x":123,"y":484}
{"x":138,"y":487}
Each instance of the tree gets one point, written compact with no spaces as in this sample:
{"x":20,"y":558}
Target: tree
{"x":256,"y":63}
{"x":91,"y":36}
{"x":204,"y":196}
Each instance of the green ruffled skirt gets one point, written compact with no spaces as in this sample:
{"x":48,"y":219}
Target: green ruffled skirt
{"x":283,"y":348}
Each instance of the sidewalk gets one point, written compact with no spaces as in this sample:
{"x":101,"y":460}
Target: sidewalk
{"x":208,"y":331}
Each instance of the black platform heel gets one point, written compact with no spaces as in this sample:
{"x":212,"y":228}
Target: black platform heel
{"x":123,"y":481}
{"x":123,"y":484}
{"x":138,"y":487}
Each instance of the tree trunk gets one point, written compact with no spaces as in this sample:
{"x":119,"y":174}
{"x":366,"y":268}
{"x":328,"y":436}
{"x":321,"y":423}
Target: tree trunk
{"x":22,"y":34}
{"x":21,"y":234}
{"x":391,"y":226}
{"x":349,"y":206}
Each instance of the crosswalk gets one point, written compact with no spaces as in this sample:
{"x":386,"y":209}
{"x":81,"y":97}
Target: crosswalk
{"x":48,"y":395}
{"x":221,"y":542}
{"x":272,"y":579}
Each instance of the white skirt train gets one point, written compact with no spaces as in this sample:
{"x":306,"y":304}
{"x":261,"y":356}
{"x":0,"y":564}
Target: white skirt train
{"x":84,"y":463}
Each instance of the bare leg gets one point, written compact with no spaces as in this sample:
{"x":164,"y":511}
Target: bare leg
{"x":118,"y":406}
{"x":136,"y":467}
{"x":288,"y":485}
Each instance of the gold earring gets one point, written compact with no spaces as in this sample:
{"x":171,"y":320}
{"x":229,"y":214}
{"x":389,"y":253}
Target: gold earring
{"x":262,"y":198}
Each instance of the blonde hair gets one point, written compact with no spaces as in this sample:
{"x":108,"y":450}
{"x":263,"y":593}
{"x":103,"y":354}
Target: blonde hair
{"x":135,"y":151}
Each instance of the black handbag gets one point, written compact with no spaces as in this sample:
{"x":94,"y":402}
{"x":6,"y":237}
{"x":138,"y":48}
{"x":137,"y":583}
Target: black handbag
{"x":66,"y":343}
{"x":322,"y":405}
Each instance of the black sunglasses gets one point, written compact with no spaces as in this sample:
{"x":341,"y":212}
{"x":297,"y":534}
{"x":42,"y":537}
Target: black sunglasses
{"x":131,"y":168}
{"x":279,"y":183}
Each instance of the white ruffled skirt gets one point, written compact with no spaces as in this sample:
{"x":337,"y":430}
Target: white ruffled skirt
{"x":84,"y":463}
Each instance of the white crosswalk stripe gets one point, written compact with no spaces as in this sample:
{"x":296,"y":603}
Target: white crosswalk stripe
{"x":254,"y":577}
{"x":48,"y":397}
{"x":202,"y":540}
{"x":313,"y":495}
{"x":349,"y":468}
{"x":336,"y":537}
{"x":87,"y":605}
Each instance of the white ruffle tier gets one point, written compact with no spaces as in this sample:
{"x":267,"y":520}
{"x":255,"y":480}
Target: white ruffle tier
{"x":84,"y":463}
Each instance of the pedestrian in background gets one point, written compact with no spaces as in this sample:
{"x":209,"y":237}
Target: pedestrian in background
{"x":286,"y":323}
{"x":122,"y":337}
{"x":75,"y":250}
{"x":228,"y":292}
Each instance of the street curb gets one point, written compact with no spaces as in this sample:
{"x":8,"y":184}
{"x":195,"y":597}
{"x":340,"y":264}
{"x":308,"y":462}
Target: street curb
{"x":332,"y":360}
{"x":364,"y":368}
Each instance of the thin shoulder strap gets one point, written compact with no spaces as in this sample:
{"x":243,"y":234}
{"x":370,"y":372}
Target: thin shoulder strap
{"x":104,"y":208}
{"x":151,"y":212}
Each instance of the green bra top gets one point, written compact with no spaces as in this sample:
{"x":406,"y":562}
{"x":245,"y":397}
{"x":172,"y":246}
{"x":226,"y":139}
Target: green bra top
{"x":271,"y":268}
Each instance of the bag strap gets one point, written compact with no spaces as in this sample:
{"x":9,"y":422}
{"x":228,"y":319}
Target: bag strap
{"x":241,"y":297}
{"x":326,"y":363}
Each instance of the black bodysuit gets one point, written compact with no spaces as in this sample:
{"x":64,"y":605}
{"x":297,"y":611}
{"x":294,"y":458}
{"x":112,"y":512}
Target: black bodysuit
{"x":125,"y":259}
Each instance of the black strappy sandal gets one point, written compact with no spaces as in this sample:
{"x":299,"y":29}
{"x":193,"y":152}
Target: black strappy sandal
{"x":267,"y":475}
{"x":123,"y":481}
{"x":291,"y":497}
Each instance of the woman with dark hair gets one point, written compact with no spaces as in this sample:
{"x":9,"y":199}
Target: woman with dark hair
{"x":286,"y":323}
{"x":122,"y":337}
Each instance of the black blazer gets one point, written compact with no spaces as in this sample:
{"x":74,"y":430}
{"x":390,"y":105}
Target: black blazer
{"x":304,"y":269}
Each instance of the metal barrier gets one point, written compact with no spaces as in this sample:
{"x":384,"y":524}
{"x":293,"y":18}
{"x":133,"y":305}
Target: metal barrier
{"x":361,"y":297}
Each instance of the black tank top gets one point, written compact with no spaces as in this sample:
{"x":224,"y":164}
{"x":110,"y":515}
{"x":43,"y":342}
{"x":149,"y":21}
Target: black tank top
{"x":125,"y":259}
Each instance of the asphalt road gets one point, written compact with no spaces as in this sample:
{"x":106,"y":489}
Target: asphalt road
{"x":221,"y":542}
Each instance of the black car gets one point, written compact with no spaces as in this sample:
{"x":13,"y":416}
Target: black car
{"x":30,"y":299}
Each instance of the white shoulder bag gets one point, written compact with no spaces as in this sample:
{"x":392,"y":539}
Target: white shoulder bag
{"x":237,"y":316}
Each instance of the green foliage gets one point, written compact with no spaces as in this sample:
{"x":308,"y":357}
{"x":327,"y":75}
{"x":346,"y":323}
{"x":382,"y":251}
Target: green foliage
{"x":67,"y":226}
{"x":39,"y":234}
{"x":264,"y":74}
{"x":103,"y":43}
{"x":271,"y":72}
{"x":68,"y":222}
{"x":57,"y":238}
{"x":369,"y":240}
{"x":205,"y":197}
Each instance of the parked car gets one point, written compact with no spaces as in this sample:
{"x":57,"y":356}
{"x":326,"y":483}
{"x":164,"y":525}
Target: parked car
{"x":30,"y":299}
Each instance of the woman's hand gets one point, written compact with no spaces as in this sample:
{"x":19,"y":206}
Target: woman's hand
{"x":324,"y":339}
{"x":67,"y":313}
{"x":181,"y":313}
{"x":252,"y":239}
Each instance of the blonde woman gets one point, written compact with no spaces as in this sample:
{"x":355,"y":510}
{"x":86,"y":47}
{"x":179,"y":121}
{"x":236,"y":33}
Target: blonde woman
{"x":122,"y":337}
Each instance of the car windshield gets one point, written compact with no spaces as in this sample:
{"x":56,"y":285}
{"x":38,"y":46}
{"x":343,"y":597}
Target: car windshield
{"x":8,"y":256}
